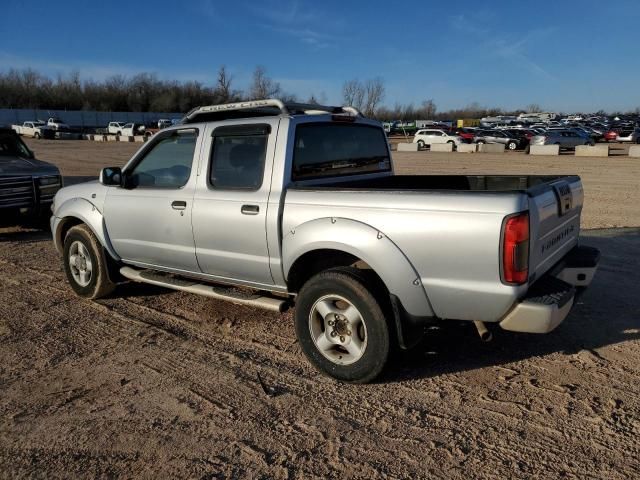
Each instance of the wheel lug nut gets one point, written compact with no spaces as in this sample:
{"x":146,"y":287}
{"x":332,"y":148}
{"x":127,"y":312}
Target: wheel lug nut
{"x":331,"y":323}
{"x":348,"y":332}
{"x":341,"y":338}
{"x":333,"y":333}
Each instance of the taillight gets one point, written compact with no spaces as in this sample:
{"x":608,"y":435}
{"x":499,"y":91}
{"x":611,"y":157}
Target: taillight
{"x":515,"y":249}
{"x":343,"y":118}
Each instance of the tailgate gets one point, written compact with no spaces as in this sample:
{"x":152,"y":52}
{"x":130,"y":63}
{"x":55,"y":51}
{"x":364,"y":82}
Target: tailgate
{"x":554,"y":210}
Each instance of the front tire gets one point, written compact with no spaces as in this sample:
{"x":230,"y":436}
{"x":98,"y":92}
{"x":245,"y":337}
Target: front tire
{"x":512,"y":145}
{"x":85,"y":263}
{"x":36,"y":136}
{"x":341,"y":327}
{"x":420,"y":144}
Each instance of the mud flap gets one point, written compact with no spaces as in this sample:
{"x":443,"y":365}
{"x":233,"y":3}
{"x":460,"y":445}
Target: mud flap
{"x":409,"y":328}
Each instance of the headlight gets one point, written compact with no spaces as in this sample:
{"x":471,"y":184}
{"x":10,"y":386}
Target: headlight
{"x":43,"y":181}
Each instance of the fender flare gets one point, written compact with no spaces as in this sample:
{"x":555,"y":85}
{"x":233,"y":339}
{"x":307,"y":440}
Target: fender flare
{"x":89,"y":214}
{"x":367,"y":243}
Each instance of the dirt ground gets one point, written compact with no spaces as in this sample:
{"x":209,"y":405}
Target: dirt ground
{"x":158,"y":384}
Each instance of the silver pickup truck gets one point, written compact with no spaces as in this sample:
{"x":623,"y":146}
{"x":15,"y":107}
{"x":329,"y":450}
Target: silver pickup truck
{"x":299,"y":205}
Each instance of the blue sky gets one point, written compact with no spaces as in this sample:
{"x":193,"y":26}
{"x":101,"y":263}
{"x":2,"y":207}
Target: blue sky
{"x":562,"y":55}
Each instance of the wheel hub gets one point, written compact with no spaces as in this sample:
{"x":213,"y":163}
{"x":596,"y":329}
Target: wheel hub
{"x":338,"y":329}
{"x":338,"y":326}
{"x":80,"y":264}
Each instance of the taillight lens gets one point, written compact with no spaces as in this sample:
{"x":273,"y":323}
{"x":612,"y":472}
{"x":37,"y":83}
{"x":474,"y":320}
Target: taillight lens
{"x":515,"y":249}
{"x":343,"y":118}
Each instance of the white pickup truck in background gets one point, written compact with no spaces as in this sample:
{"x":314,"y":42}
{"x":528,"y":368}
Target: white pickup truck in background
{"x":57,"y":124}
{"x":34,"y":129}
{"x":115,"y":128}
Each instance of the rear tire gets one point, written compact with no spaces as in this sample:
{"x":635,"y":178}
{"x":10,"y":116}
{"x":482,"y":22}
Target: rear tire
{"x":36,"y":136}
{"x":341,"y":327}
{"x":420,"y":144}
{"x":512,"y":145}
{"x":85,"y":263}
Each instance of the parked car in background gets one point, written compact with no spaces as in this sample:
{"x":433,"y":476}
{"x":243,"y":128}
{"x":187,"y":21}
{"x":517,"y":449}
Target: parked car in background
{"x":629,"y":135}
{"x":511,"y":142}
{"x":164,"y":123}
{"x":132,"y":129}
{"x":466,"y":133}
{"x":594,"y":133}
{"x":57,"y":124}
{"x":611,"y":136}
{"x":427,"y":137}
{"x":27,"y":185}
{"x":115,"y":128}
{"x":522,"y":134}
{"x":34,"y":129}
{"x":564,"y":138}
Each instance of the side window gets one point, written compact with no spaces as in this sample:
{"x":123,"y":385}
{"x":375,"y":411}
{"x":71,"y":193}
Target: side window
{"x":238,"y":157}
{"x":168,"y":163}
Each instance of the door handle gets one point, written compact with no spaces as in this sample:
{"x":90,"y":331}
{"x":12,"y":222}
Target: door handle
{"x":178,"y":204}
{"x":250,"y":209}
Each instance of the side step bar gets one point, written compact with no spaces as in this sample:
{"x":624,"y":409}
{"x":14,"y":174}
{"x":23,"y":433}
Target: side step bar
{"x":219,"y":293}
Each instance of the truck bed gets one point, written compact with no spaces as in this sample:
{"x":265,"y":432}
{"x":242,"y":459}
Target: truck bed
{"x":476,"y":183}
{"x":450,"y":226}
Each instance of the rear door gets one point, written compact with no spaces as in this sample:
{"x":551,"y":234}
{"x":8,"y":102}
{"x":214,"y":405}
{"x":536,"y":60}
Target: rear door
{"x":230,"y":204}
{"x":554,"y":210}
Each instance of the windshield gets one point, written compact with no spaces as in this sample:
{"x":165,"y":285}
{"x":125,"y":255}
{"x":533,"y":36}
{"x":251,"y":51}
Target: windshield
{"x":12,"y":146}
{"x":331,"y":149}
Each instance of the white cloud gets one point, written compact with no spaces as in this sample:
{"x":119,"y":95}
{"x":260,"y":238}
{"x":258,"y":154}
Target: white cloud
{"x":94,"y":71}
{"x":302,"y":24}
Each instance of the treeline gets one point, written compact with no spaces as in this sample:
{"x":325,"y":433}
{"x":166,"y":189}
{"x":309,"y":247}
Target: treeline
{"x":145,"y":92}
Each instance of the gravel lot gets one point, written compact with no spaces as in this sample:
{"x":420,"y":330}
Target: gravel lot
{"x":164,"y":384}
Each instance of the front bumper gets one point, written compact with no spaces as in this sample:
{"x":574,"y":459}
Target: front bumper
{"x":54,"y":222}
{"x":549,"y":300}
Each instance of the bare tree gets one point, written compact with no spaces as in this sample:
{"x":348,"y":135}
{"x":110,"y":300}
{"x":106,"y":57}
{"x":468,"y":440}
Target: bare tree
{"x":223,"y":86}
{"x":374,"y":92}
{"x":353,"y":93}
{"x":533,"y":108}
{"x":428,"y":109}
{"x":263,"y":86}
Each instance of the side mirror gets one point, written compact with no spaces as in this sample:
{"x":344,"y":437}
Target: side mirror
{"x":111,"y":176}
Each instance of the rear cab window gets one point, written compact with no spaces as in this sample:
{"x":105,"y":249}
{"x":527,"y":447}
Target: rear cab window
{"x":334,"y":149}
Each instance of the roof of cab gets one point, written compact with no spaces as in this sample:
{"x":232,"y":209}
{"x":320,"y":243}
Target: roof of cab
{"x":261,"y":108}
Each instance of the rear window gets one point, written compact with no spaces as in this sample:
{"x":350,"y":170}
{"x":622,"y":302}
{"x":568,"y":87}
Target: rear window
{"x":331,"y":149}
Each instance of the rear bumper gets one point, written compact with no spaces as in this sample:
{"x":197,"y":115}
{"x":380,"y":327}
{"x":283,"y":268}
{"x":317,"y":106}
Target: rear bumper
{"x":549,"y":300}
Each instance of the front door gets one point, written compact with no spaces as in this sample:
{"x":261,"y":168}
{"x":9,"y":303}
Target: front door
{"x":149,"y":219}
